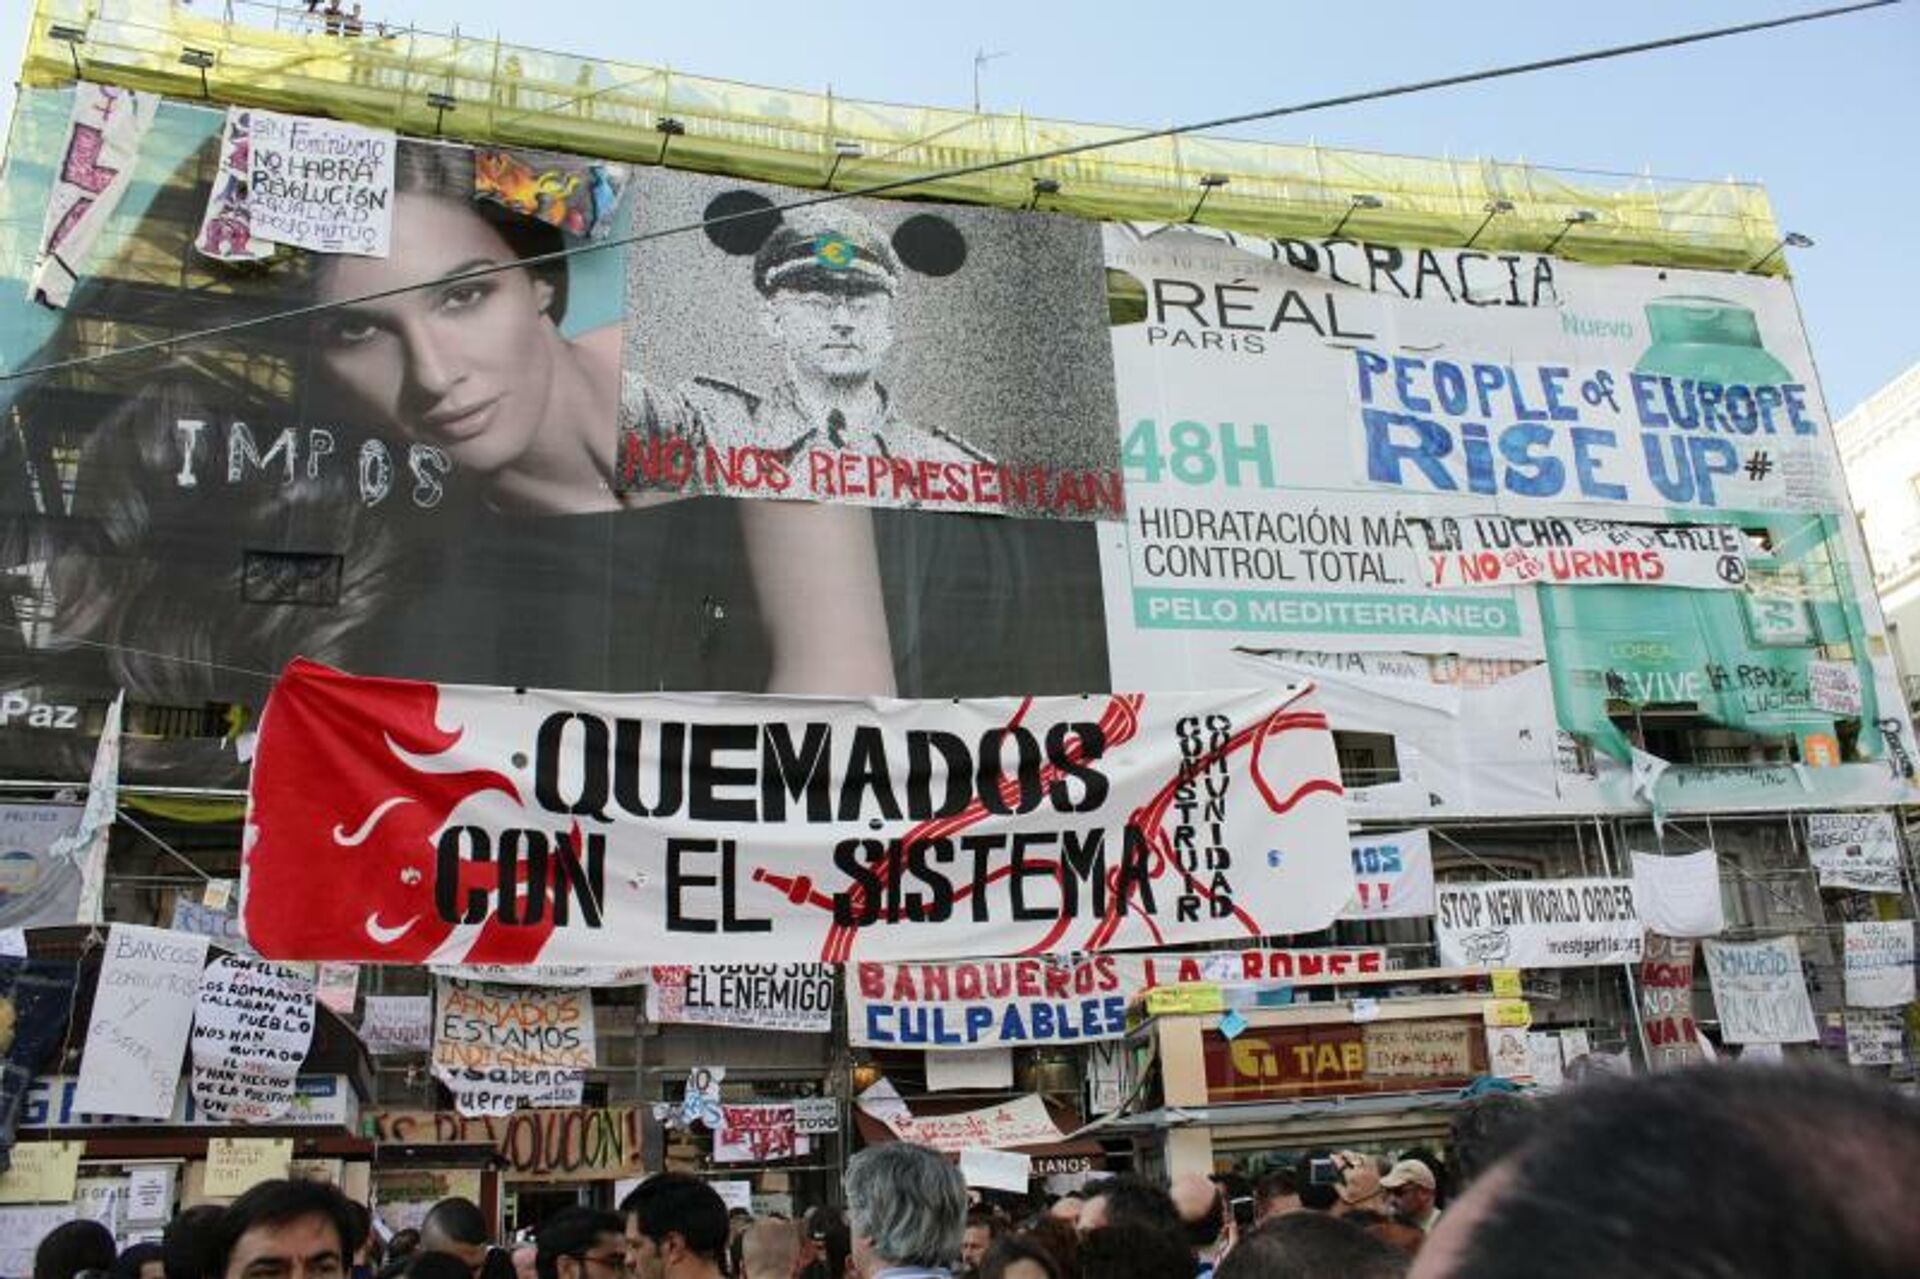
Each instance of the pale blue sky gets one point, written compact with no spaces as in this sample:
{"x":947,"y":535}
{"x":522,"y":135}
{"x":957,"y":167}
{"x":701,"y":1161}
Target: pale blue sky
{"x":1824,"y":114}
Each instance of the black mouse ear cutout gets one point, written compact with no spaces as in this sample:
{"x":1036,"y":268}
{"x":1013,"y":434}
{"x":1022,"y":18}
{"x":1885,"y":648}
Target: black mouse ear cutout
{"x":929,"y":244}
{"x":739,"y":222}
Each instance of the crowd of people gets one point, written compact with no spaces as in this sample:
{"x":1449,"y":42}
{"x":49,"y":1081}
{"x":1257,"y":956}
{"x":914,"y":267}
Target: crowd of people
{"x":1721,"y":1170}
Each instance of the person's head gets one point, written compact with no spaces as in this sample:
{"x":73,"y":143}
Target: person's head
{"x":469,"y":366}
{"x":140,"y":1261}
{"x":1202,"y":1208}
{"x":1134,"y":1249}
{"x":1311,"y":1245}
{"x":675,"y":1224}
{"x":580,"y":1243}
{"x":906,"y":1206}
{"x":982,"y":1229}
{"x":768,"y":1249}
{"x":183,"y":1245}
{"x":830,"y":1239}
{"x":1067,"y":1208}
{"x":1017,"y":1257}
{"x":403,"y":1243}
{"x":1128,"y":1198}
{"x":71,"y":1248}
{"x":289,"y":1229}
{"x":1358,"y":1187}
{"x":526,"y":1263}
{"x":1276,"y":1194}
{"x":828,"y":276}
{"x":1411,"y":1187}
{"x":1724,"y":1170}
{"x":1060,"y":1240}
{"x":1484,"y":1129}
{"x":458,"y":1228}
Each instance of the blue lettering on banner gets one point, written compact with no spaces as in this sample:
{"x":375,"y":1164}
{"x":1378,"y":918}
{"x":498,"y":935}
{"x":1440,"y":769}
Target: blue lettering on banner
{"x":1021,"y":1022}
{"x":1536,"y":431}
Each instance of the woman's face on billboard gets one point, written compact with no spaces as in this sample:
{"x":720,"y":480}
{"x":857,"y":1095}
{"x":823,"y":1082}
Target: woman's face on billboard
{"x":467,"y":365}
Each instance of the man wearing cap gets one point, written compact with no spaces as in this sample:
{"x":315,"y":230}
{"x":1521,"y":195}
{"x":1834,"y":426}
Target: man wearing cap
{"x":1359,"y":1187}
{"x":828,"y":277}
{"x":1411,"y":1186}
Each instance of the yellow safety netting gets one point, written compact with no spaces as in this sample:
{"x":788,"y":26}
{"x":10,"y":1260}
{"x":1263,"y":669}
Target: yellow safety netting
{"x":485,"y":91}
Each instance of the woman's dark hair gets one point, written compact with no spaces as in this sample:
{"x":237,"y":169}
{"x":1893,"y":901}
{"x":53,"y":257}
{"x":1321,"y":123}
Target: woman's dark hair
{"x":1061,"y":1241}
{"x":71,"y":1248}
{"x":1011,"y":1248}
{"x":1134,"y":1249}
{"x":127,"y":1264}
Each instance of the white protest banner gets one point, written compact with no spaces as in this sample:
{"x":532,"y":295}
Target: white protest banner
{"x":96,"y":166}
{"x":1544,"y":923}
{"x":770,"y":829}
{"x":142,"y":1013}
{"x":1855,"y":850}
{"x":1879,"y":963}
{"x":755,"y":1134}
{"x":1679,"y":896}
{"x":46,"y":889}
{"x":502,"y":1090}
{"x":251,"y":1030}
{"x":996,"y":1169}
{"x":397,"y":1024}
{"x":338,"y":987}
{"x":1024,"y":1121}
{"x":757,"y":996}
{"x":983,"y":1002}
{"x":1760,"y":991}
{"x":1876,"y":1037}
{"x":295,"y":180}
{"x":981,"y":1070}
{"x":585,"y":976}
{"x":1252,"y":964}
{"x":816,"y":1116}
{"x":1834,"y":687}
{"x":1481,"y":551}
{"x":1393,"y":876}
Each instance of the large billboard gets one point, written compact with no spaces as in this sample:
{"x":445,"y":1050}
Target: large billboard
{"x":1553,"y":538}
{"x":422,"y":481}
{"x":1550,"y":538}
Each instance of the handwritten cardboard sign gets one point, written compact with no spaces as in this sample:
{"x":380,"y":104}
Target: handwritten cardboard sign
{"x":42,"y":1172}
{"x":1879,"y":963}
{"x":237,"y":1164}
{"x":1760,"y":991}
{"x":397,"y":1024}
{"x":142,"y":1012}
{"x":251,"y":1030}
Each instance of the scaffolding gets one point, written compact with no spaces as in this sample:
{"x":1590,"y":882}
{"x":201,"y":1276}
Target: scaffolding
{"x":493,"y":93}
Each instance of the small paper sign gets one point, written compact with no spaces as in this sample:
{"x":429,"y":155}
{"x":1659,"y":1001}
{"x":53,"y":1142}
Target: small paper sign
{"x":1506,"y":983}
{"x":1366,"y":1008}
{"x":814,"y":1116}
{"x":237,"y":1164}
{"x":150,"y":1193}
{"x":996,"y":1170}
{"x":1507,"y":1012}
{"x":42,"y":1172}
{"x":1187,"y":997}
{"x":219,"y":894}
{"x":734,"y":1194}
{"x":1232,"y":1024}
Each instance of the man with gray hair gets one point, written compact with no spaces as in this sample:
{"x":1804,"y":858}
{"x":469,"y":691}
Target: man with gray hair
{"x":907,"y":1206}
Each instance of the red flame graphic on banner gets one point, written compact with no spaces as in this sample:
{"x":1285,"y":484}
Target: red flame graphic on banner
{"x":342,"y":828}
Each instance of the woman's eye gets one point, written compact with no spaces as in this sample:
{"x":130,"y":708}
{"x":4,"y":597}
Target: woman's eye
{"x":459,"y":297}
{"x":350,"y":330}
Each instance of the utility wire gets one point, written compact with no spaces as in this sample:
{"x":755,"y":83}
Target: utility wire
{"x":969,"y":170}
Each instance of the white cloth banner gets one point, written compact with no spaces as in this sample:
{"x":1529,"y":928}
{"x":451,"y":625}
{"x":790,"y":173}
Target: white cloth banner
{"x":499,"y":1048}
{"x":1543,"y":923}
{"x":1476,"y":552}
{"x":1760,"y":991}
{"x":1679,"y":896}
{"x":87,"y":845}
{"x":1855,"y":850}
{"x":756,"y":996}
{"x":295,"y":180}
{"x":103,"y":141}
{"x":397,"y":1024}
{"x":768,"y":829}
{"x":1024,"y":1121}
{"x":1879,"y":963}
{"x":142,"y":1012}
{"x":1392,"y":876}
{"x":252,"y":1027}
{"x":981,"y":1002}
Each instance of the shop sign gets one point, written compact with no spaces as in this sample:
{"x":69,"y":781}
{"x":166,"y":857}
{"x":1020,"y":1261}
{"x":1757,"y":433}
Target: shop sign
{"x":1278,"y":1062}
{"x":577,"y":1144}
